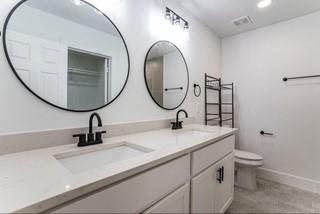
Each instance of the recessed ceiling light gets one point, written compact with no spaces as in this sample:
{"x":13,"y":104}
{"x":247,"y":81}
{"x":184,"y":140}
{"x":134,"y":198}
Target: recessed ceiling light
{"x":264,"y":3}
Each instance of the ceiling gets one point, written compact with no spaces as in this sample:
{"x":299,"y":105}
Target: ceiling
{"x":83,"y":14}
{"x":218,"y":14}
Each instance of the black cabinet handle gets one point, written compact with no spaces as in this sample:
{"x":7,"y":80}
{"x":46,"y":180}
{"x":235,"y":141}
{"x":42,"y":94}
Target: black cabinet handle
{"x":222,"y":173}
{"x":265,"y":133}
{"x":219,"y":175}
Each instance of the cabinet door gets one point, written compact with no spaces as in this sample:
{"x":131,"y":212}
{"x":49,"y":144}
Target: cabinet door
{"x":203,"y":189}
{"x":225,"y":189}
{"x":177,"y":202}
{"x":208,"y":195}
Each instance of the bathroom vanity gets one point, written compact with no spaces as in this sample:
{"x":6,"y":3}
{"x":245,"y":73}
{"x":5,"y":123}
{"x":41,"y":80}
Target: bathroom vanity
{"x":160,"y":171}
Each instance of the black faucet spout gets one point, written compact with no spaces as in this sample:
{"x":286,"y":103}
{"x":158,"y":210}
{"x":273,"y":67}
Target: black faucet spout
{"x":178,"y":124}
{"x":178,"y":113}
{"x":94,"y":115}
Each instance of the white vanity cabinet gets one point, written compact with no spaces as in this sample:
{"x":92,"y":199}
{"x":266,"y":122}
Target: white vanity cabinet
{"x":191,"y":181}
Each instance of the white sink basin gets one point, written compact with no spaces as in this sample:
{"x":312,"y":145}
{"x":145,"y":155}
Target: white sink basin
{"x":88,"y":158}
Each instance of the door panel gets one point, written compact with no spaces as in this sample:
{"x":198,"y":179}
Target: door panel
{"x":20,"y":53}
{"x":41,"y":64}
{"x":208,"y":195}
{"x":203,"y":191}
{"x":50,"y":91}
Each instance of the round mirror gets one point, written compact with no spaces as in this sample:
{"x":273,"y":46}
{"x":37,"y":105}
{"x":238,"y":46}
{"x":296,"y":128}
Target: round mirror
{"x":166,"y":75}
{"x":67,"y":53}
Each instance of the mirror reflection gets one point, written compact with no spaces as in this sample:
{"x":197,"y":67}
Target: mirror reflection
{"x":68,"y":53}
{"x":166,"y":75}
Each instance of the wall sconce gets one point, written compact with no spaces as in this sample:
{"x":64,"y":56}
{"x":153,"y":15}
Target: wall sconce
{"x":175,"y":19}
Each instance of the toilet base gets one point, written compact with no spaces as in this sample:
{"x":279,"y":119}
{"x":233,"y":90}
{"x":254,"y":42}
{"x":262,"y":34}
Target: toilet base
{"x":246,"y":177}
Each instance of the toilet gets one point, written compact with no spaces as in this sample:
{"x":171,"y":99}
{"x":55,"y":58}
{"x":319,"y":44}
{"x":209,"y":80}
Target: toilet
{"x":246,"y":164}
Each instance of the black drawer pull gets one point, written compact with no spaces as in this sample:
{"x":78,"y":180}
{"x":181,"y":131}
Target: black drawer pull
{"x":222,"y":173}
{"x":219,"y":175}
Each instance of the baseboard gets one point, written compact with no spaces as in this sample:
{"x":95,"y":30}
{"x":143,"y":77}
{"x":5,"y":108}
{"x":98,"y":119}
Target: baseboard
{"x":288,"y":179}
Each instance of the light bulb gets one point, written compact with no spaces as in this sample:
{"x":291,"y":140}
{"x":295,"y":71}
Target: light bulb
{"x":168,"y":14}
{"x":177,"y":21}
{"x":186,"y":26}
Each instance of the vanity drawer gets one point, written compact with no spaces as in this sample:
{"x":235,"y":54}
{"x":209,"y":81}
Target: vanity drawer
{"x":137,"y":193}
{"x":205,"y":157}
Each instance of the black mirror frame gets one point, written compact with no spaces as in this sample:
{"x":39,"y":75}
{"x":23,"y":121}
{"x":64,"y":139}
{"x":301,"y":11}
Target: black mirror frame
{"x":145,"y":75}
{"x":35,"y":94}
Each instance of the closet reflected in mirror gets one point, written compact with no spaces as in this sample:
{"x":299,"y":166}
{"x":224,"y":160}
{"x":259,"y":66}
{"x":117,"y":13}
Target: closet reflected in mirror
{"x":67,"y":53}
{"x":166,"y":75}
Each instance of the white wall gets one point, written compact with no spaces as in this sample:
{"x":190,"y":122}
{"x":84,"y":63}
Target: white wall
{"x":141,"y":22}
{"x":257,"y":61}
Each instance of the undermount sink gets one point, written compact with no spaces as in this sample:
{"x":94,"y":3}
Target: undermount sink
{"x":91,"y":158}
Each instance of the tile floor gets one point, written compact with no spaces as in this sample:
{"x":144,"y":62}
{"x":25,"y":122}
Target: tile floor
{"x":272,"y":197}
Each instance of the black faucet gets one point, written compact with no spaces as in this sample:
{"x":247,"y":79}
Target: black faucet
{"x":178,"y":124}
{"x":91,"y":139}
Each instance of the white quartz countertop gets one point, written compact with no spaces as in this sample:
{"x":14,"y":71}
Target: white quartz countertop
{"x":35,"y":181}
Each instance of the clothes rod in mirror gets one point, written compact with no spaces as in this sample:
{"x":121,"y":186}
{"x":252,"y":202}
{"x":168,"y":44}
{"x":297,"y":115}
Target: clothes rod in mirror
{"x":285,"y":79}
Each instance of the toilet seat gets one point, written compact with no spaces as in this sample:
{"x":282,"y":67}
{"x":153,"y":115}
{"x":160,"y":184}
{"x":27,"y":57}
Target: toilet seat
{"x":248,"y":159}
{"x":247,"y":156}
{"x":249,"y":163}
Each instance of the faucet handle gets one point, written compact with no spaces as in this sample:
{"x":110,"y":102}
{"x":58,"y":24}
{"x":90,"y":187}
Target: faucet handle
{"x":82,"y":139}
{"x":99,"y":136}
{"x":175,"y":125}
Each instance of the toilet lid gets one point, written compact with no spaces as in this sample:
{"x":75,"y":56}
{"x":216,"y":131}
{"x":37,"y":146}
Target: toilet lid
{"x":247,"y":156}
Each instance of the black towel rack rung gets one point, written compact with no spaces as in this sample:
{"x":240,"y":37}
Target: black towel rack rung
{"x":285,"y":79}
{"x":214,"y":119}
{"x":212,"y":83}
